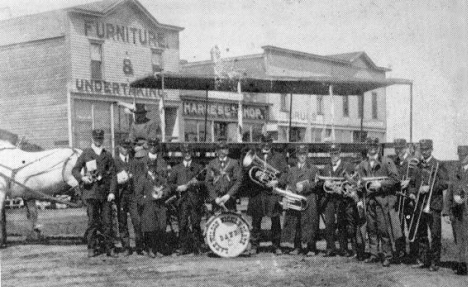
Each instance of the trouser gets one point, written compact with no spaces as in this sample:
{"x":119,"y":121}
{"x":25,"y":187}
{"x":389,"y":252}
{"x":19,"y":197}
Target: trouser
{"x":377,"y":228}
{"x":430,"y":253}
{"x":347,"y":221}
{"x":155,"y":241}
{"x":99,"y":219}
{"x":299,"y":229}
{"x":461,"y":227}
{"x":257,"y":229}
{"x":127,"y":204}
{"x":328,"y":206}
{"x":189,"y":226}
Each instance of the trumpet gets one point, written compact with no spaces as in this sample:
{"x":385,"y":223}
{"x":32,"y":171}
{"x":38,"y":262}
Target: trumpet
{"x":367,"y":182}
{"x":291,"y":200}
{"x":260,"y":172}
{"x":425,"y":203}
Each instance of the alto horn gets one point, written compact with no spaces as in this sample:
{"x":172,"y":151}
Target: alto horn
{"x":291,"y":200}
{"x":260,"y":172}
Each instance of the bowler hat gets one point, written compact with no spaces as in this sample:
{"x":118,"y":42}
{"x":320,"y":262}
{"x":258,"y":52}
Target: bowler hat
{"x":140,"y":109}
{"x":371,"y":141}
{"x":399,"y":143}
{"x":222,"y":143}
{"x":153,"y":141}
{"x":334,"y":148}
{"x":463,"y":150}
{"x":425,"y":144}
{"x":186,"y":148}
{"x":98,"y":134}
{"x":302,"y":149}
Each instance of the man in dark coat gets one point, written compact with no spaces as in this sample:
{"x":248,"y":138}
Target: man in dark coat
{"x":184,"y":180}
{"x":334,"y":204}
{"x":99,"y":186}
{"x":152,"y":190}
{"x":456,"y":210}
{"x":402,"y":206}
{"x":429,"y":254}
{"x":377,"y":200}
{"x":302,"y":226}
{"x":223,"y":178}
{"x":126,"y":199}
{"x":262,"y":202}
{"x":143,"y":128}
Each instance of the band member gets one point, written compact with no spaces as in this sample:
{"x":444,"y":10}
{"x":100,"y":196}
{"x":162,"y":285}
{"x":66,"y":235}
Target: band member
{"x":152,"y":190}
{"x":99,"y":186}
{"x":336,"y":204}
{"x":456,"y":210}
{"x":402,"y":208}
{"x":263,"y":203}
{"x":143,"y":128}
{"x":154,"y":156}
{"x":184,"y":181}
{"x":300,"y":179}
{"x":429,"y":168}
{"x":377,"y":200}
{"x":223,"y":178}
{"x":126,"y":199}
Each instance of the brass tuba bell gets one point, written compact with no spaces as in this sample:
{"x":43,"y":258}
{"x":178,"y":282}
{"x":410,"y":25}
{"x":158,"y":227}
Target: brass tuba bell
{"x":260,"y":172}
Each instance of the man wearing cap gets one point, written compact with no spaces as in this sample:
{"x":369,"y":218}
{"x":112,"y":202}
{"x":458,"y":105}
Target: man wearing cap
{"x":186,"y":182}
{"x":223,"y":178}
{"x":99,"y":186}
{"x":154,"y":157}
{"x":406,"y":164}
{"x":377,"y":200}
{"x":301,"y":226}
{"x":126,"y":200}
{"x":262,"y":202}
{"x":333,"y":205}
{"x":456,"y":210}
{"x":429,"y":254}
{"x":143,"y":128}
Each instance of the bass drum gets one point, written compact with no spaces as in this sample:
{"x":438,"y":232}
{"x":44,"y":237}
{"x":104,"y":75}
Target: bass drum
{"x":227,"y":234}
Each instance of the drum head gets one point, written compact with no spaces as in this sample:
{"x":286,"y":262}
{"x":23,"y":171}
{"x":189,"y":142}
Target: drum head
{"x":227,"y":234}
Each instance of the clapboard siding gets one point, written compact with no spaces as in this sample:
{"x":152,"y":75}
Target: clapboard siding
{"x":34,"y":93}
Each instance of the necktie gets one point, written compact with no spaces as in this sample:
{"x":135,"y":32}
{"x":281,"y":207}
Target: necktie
{"x":223,"y":163}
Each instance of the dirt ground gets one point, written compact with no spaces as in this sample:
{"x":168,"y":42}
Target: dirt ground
{"x":59,"y":265}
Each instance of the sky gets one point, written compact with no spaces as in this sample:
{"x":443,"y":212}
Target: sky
{"x":420,"y":40}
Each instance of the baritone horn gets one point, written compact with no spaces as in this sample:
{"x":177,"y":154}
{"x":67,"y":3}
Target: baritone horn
{"x":291,"y":200}
{"x":260,"y":172}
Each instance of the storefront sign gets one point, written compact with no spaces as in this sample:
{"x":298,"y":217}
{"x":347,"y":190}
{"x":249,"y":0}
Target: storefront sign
{"x":126,"y":34}
{"x":223,"y":110}
{"x":112,"y":88}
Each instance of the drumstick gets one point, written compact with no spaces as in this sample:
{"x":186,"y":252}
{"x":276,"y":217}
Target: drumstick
{"x":223,"y":206}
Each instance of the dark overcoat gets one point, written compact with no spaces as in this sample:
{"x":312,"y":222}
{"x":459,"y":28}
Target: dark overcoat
{"x":181,"y":175}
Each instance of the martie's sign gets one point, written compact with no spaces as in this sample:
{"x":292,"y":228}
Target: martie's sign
{"x":223,"y":110}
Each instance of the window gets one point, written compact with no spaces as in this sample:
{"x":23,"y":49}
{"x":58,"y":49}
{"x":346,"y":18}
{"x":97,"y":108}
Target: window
{"x":96,"y":61}
{"x":359,"y":137}
{"x":360,"y":106}
{"x":156,"y":60}
{"x":284,"y":103}
{"x":345,"y":106}
{"x":374,"y":106}
{"x":320,"y":105}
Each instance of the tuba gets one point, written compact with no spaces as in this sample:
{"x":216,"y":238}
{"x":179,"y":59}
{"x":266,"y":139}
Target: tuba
{"x":260,"y":172}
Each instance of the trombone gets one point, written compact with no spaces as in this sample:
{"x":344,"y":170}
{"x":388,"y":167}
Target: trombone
{"x":425,"y":204}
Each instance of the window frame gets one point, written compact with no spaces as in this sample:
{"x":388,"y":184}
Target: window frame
{"x":375,"y":114}
{"x":320,"y":105}
{"x":99,"y":43}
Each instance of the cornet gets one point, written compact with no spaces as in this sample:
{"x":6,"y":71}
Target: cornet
{"x":367,"y":182}
{"x":336,"y":183}
{"x":260,"y":172}
{"x":291,"y":200}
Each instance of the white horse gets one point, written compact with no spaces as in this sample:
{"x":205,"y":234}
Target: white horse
{"x":33,"y":175}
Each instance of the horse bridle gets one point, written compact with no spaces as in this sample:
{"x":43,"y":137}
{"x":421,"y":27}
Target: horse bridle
{"x":14,"y":171}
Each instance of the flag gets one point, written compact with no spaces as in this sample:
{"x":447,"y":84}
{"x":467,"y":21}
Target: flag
{"x":162,"y":117}
{"x":240,"y":114}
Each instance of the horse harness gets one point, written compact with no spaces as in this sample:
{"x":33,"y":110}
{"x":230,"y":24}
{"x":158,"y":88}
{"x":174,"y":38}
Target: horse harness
{"x":11,"y":179}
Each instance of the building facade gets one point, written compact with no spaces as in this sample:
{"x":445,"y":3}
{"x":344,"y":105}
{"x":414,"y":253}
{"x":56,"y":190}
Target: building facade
{"x":309,"y":118}
{"x":68,"y":69}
